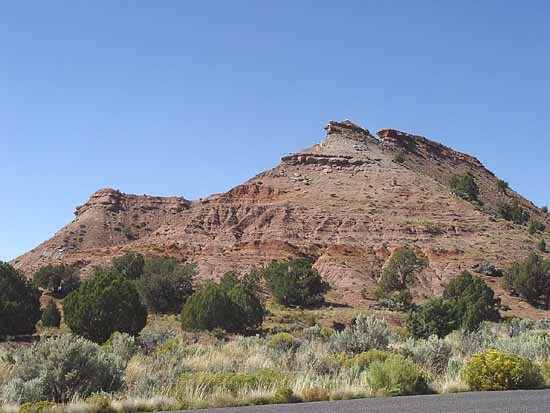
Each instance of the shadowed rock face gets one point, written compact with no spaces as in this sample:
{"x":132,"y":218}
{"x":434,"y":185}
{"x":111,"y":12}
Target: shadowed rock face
{"x":344,"y":203}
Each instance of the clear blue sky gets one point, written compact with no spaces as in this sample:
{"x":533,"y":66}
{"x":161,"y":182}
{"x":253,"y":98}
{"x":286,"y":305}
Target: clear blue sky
{"x":190,"y":98}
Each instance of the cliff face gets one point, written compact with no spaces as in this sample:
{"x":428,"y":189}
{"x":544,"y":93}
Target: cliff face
{"x":345,"y":203}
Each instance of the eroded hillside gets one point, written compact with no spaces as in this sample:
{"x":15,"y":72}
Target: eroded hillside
{"x":346,"y":203}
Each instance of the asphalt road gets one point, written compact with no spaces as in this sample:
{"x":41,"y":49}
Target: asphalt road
{"x":512,"y":401}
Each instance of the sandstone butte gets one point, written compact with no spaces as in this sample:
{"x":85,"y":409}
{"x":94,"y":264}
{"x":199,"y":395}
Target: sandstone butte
{"x":345,"y":203}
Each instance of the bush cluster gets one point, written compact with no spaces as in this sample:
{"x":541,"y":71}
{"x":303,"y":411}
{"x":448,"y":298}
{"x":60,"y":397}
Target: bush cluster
{"x":466,"y":302}
{"x":365,"y":334}
{"x":513,"y":212}
{"x":59,"y":368}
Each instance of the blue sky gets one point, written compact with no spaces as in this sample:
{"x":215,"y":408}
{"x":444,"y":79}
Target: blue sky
{"x":191,"y":98}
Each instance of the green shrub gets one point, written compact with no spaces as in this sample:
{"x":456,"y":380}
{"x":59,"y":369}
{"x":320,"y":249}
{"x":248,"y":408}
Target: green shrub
{"x":51,"y":317}
{"x":165,"y":284}
{"x":465,"y":187}
{"x":295,"y":283}
{"x":396,"y":376}
{"x":473,"y":300}
{"x":38,"y":407}
{"x":362,"y":361}
{"x":541,"y":245}
{"x":545,"y":370}
{"x":513,"y":212}
{"x":130,"y":265}
{"x":282,"y":342}
{"x":19,"y":302}
{"x":497,"y":370}
{"x":59,"y":280}
{"x":530,"y":279}
{"x":60,"y":368}
{"x":105,"y":303}
{"x":366,"y":333}
{"x":285,"y":395}
{"x":434,"y":317}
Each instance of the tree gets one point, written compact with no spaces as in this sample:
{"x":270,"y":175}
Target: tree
{"x":210,"y":307}
{"x":502,"y":186}
{"x":435,"y":317}
{"x":233,"y":305}
{"x":244,"y":293}
{"x":530,"y":279}
{"x":165,"y":284}
{"x":106,"y":303}
{"x":513,"y":212}
{"x":473,"y":300}
{"x":19,"y":302}
{"x":465,"y":187}
{"x":131,"y":265}
{"x":399,"y":274}
{"x":59,"y":280}
{"x":51,"y":317}
{"x":295,"y":283}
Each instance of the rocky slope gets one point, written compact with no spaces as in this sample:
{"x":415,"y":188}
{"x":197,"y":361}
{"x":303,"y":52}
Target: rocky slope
{"x":345,"y":203}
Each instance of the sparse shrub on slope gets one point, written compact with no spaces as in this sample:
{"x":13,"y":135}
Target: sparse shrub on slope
{"x":465,"y":187}
{"x":295,"y":283}
{"x":105,"y":303}
{"x":61,"y":368}
{"x":541,"y":245}
{"x":530,"y":279}
{"x":497,"y":370}
{"x":19,"y":302}
{"x":59,"y":280}
{"x":513,"y":212}
{"x":51,"y":317}
{"x":130,"y":265}
{"x":366,"y":333}
{"x":165,"y":284}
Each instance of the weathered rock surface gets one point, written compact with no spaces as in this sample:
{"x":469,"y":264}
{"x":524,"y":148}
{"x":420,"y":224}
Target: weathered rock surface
{"x":344,"y":202}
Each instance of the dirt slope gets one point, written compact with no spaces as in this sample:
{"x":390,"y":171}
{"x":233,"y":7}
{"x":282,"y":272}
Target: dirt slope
{"x":344,"y":202}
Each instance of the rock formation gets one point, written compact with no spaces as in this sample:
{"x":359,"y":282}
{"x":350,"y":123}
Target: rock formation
{"x":345,"y":203}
